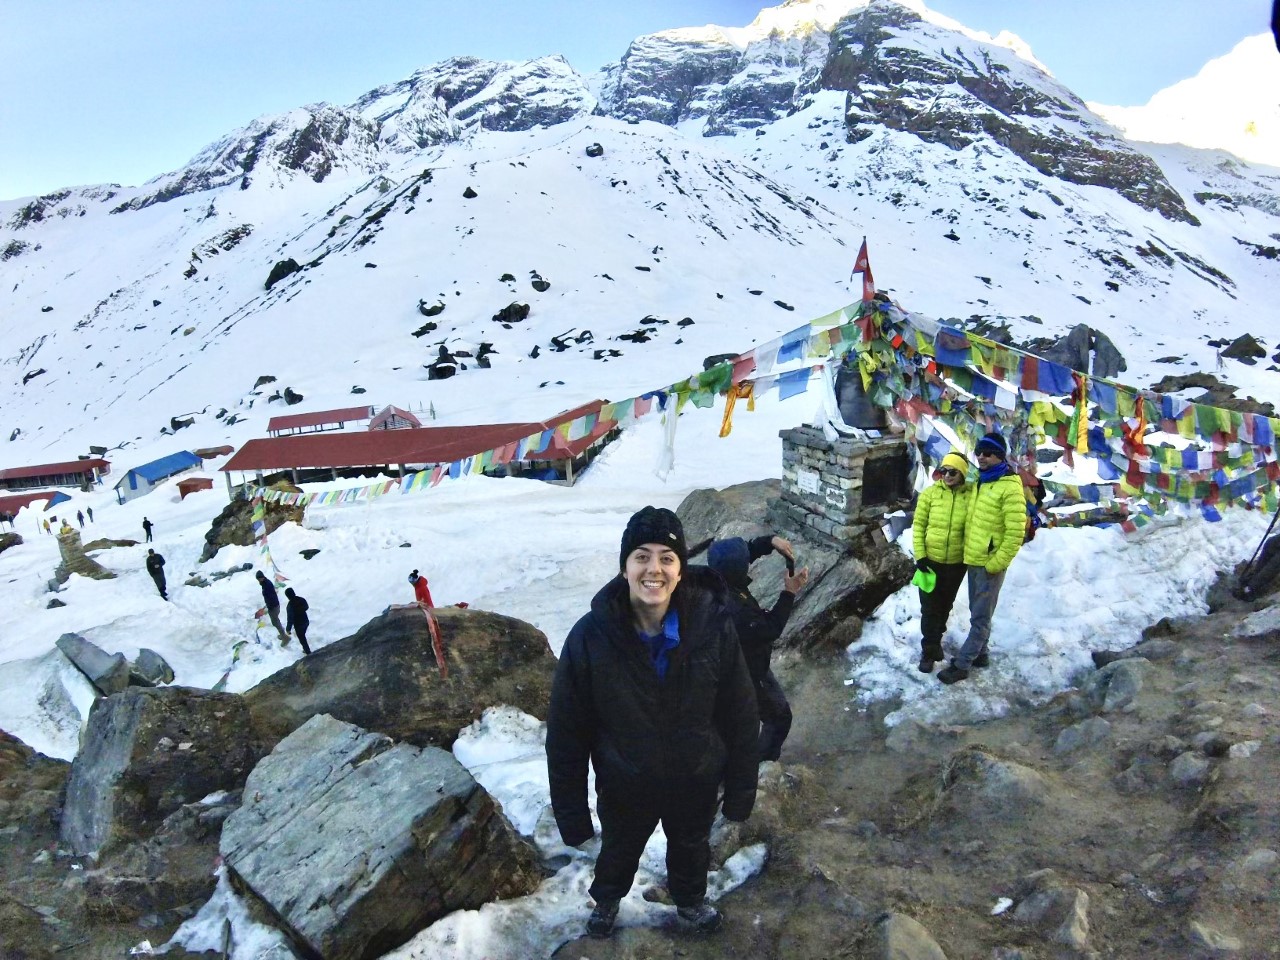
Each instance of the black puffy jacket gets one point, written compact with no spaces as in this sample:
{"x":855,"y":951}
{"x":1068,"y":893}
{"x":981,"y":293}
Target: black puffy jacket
{"x":645,"y":735}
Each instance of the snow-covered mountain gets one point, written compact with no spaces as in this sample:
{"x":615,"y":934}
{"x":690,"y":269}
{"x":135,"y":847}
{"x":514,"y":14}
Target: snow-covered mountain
{"x":1231,"y":104}
{"x":739,"y":170}
{"x":707,"y":192}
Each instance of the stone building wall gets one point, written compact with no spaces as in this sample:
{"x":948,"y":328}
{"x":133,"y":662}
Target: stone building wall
{"x":823,"y":488}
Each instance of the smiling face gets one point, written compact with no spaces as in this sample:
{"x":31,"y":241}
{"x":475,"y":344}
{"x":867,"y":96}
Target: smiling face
{"x":652,"y":573}
{"x":952,"y":477}
{"x":987,"y":458}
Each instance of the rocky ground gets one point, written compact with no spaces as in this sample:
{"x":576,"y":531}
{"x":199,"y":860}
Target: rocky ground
{"x":1148,"y":794}
{"x":1133,"y":817}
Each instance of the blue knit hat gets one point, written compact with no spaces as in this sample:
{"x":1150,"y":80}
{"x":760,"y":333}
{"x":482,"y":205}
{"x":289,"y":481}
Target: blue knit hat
{"x":994,"y":443}
{"x":730,"y":558}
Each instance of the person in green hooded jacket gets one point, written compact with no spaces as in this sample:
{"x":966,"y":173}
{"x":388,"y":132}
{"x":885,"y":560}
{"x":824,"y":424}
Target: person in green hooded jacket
{"x":937,"y":534}
{"x":993,"y":533}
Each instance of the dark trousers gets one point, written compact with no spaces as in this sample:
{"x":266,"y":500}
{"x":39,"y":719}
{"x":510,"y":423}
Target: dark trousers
{"x":159,"y":579}
{"x":148,"y":534}
{"x":627,"y":822}
{"x":273,"y":614}
{"x":300,"y":629}
{"x":775,"y":716}
{"x":935,"y":607}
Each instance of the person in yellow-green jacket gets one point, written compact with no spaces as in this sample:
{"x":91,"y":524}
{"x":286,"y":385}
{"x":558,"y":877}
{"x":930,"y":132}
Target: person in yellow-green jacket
{"x":994,"y":530}
{"x":937,"y":533}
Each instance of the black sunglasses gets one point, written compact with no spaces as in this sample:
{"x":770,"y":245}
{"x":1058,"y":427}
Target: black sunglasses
{"x":948,"y":472}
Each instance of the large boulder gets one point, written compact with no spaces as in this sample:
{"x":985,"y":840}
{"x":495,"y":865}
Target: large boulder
{"x":234,"y":525}
{"x":164,"y":873}
{"x":146,"y":752}
{"x":981,"y":787}
{"x":385,"y":677}
{"x":356,"y":843}
{"x":8,"y":540}
{"x":108,"y":672}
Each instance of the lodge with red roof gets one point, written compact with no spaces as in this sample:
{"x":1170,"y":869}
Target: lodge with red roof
{"x":319,"y":420}
{"x":328,"y":455}
{"x":70,"y":473}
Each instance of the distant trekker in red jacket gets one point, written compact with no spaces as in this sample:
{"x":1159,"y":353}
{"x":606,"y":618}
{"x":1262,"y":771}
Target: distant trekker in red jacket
{"x":421,"y":592}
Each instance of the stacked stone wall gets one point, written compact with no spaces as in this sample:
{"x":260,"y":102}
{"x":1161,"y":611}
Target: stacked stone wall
{"x":822,"y":487}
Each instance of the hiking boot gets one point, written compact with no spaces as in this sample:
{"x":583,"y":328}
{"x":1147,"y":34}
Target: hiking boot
{"x":600,"y":923}
{"x":980,"y":661}
{"x":952,"y":674}
{"x":926,"y":664}
{"x":703,"y":918}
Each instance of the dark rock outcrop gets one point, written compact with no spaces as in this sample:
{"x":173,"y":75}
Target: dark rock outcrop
{"x":147,"y":751}
{"x":166,"y":871}
{"x":890,"y":63}
{"x":235,"y":524}
{"x":1244,"y":348}
{"x":281,"y":270}
{"x":407,"y":837}
{"x":385,"y":678}
{"x":108,"y":672}
{"x":512,"y":313}
{"x":1083,"y":349}
{"x":152,"y":668}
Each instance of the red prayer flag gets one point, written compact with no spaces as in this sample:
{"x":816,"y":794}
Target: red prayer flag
{"x":862,"y":264}
{"x":868,"y":286}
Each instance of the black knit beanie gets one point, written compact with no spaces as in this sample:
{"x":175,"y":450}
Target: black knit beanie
{"x":653,"y":525}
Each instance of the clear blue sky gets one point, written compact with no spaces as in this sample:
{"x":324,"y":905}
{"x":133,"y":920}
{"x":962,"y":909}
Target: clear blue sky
{"x":122,"y":90}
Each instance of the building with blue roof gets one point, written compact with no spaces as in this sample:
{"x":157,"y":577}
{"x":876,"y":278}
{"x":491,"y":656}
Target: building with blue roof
{"x":142,"y":480}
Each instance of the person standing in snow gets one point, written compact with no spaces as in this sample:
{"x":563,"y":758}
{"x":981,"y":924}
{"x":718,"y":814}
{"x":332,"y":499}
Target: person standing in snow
{"x":80,"y":518}
{"x":758,"y":628}
{"x":421,"y":592}
{"x":995,"y":525}
{"x":146,"y":528}
{"x":89,"y":510}
{"x":652,"y":690}
{"x":271,"y":605}
{"x":296,"y":618}
{"x":155,"y":567}
{"x":46,"y":527}
{"x":937,"y":534}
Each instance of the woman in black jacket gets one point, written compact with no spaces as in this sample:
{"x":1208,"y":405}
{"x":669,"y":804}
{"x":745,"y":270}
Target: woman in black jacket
{"x":652,"y":689}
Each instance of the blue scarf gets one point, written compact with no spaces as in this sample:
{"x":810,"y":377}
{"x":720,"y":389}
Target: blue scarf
{"x":1001,"y":469}
{"x":661,"y":644}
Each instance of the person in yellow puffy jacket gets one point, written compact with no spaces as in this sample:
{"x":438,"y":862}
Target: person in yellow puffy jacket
{"x":994,"y":530}
{"x":937,"y":533}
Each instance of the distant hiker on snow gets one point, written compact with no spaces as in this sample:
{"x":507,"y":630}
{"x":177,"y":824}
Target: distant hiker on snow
{"x":146,"y":528}
{"x":296,"y":618}
{"x":937,"y":534}
{"x":80,"y":518}
{"x":46,"y":527}
{"x":155,"y":567}
{"x":758,"y":628}
{"x":421,"y":592}
{"x":89,"y":511}
{"x":271,"y":606}
{"x":994,"y":529}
